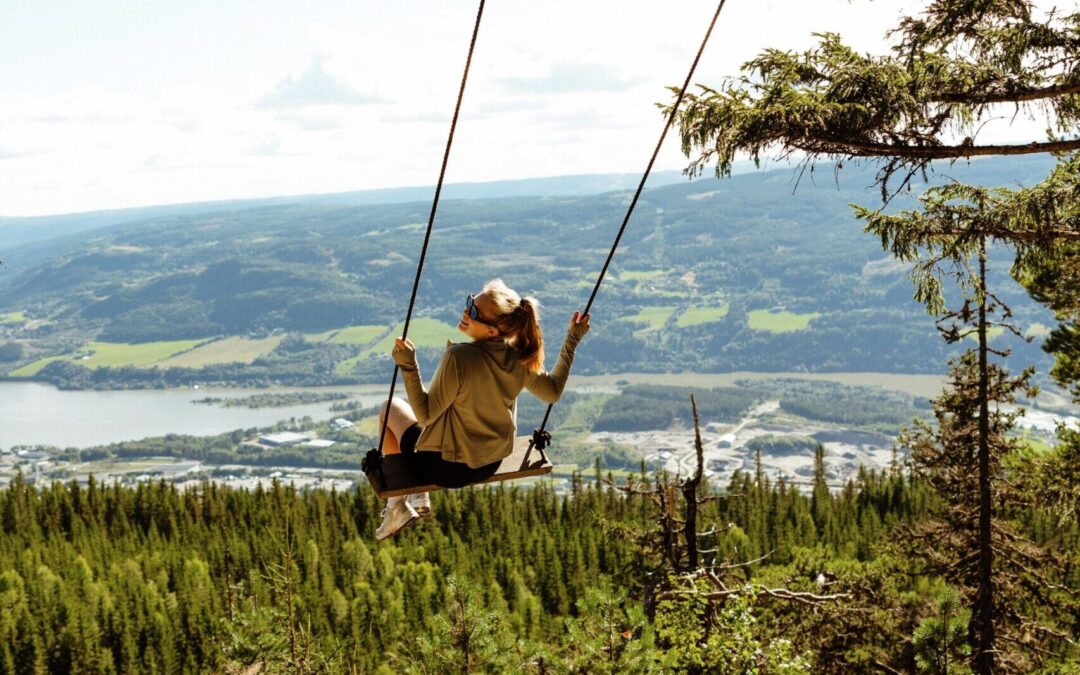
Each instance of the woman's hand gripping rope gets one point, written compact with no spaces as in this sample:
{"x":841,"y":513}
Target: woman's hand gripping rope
{"x":404,"y":353}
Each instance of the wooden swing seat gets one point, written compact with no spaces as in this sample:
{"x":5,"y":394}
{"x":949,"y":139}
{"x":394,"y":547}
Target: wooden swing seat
{"x":401,"y":480}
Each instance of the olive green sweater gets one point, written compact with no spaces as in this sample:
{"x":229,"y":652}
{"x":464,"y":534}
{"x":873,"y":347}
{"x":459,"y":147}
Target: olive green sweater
{"x":469,"y":410}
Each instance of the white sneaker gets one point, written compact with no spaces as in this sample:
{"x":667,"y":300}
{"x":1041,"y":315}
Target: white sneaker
{"x":396,"y":515}
{"x":420,"y":502}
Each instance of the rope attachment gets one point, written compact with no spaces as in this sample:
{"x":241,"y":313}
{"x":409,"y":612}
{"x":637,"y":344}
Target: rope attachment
{"x":645,"y":176}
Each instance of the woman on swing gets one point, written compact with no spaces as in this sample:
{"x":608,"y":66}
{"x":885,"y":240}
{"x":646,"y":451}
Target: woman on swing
{"x":458,"y":431}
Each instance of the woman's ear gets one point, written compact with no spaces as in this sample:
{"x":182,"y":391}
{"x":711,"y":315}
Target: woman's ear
{"x":493,"y":332}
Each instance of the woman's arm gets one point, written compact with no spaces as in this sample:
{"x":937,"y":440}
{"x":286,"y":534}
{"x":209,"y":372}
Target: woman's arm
{"x":548,"y":387}
{"x":445,"y":384}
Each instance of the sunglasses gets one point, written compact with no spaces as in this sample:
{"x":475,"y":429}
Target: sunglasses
{"x":474,"y":311}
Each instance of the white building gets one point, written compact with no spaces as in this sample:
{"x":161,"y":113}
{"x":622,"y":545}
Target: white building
{"x":284,"y":438}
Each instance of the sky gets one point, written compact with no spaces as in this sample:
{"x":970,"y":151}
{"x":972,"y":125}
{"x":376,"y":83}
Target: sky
{"x":112,"y":104}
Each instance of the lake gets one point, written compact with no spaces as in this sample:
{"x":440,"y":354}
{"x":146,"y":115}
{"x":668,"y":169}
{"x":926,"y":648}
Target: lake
{"x":32,"y":413}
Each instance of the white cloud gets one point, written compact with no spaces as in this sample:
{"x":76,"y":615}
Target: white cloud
{"x":314,"y":87}
{"x":563,"y":78}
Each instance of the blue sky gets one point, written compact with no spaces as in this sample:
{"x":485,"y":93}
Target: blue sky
{"x":109,"y":104}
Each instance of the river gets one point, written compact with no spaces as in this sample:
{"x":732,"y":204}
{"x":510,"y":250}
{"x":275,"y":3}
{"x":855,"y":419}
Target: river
{"x":32,"y":413}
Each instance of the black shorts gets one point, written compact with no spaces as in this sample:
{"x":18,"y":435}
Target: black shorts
{"x":432,"y":468}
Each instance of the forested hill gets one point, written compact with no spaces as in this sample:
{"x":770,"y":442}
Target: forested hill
{"x":749,"y":273}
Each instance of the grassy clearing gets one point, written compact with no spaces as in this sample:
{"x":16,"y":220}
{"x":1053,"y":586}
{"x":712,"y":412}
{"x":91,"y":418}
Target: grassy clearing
{"x":140,"y":355}
{"x":1039,"y":447}
{"x":320,"y":337}
{"x":12,"y":317}
{"x":780,"y":322}
{"x":32,"y":368}
{"x":653,"y":317}
{"x":369,"y":426}
{"x":695,"y":316}
{"x":358,"y":335}
{"x":423,"y":332}
{"x":228,"y":350}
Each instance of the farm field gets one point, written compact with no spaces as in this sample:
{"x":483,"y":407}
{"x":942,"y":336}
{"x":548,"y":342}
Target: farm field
{"x":12,"y":317}
{"x":140,"y":355}
{"x":654,"y":318}
{"x":114,"y":355}
{"x":320,"y":337}
{"x":32,"y":368}
{"x":357,"y":335}
{"x":697,"y":315}
{"x":423,"y":332}
{"x":228,"y":350}
{"x":780,"y":322}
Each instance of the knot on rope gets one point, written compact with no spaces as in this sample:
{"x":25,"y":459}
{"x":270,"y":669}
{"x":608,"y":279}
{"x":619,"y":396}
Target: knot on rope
{"x":541,"y":439}
{"x":372,"y":466}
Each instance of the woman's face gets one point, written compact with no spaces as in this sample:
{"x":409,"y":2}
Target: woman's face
{"x":479,"y":328}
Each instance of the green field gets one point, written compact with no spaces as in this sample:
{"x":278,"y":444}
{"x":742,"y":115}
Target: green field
{"x":780,"y":322}
{"x":320,"y":337}
{"x":228,"y":350}
{"x":695,"y":316}
{"x":12,"y":317}
{"x":423,"y":332}
{"x":32,"y":368}
{"x":141,"y":355}
{"x":654,"y":318}
{"x":358,"y":335}
{"x":1037,"y":446}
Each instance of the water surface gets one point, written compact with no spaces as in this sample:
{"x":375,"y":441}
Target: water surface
{"x":32,"y":413}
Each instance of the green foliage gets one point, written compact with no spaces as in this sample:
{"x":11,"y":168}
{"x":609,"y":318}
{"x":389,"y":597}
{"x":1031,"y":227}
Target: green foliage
{"x":610,"y":634}
{"x":696,"y":636}
{"x":940,"y":641}
{"x":153,"y":580}
{"x":642,"y":407}
{"x":11,"y":351}
{"x":950,"y":65}
{"x":467,"y":639}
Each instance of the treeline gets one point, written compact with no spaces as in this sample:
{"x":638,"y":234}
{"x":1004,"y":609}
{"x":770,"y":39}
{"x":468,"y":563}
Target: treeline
{"x":275,"y":400}
{"x":643,"y":407}
{"x":148,"y":579}
{"x":229,"y":448}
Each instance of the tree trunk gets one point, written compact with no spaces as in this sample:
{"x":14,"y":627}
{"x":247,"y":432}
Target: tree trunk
{"x":982,"y":618}
{"x":690,"y":490}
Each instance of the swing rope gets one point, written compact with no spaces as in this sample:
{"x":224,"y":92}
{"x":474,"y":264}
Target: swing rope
{"x":542,"y":438}
{"x":373,"y":459}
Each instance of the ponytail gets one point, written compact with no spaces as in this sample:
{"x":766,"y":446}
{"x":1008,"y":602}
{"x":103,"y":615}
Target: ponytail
{"x":519,"y":322}
{"x":529,"y":339}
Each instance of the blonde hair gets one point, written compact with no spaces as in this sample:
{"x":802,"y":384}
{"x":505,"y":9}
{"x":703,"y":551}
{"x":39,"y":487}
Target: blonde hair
{"x":518,"y":320}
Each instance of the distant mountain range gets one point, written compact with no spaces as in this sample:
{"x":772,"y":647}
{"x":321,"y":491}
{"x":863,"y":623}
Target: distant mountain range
{"x":17,"y":231}
{"x":748,"y":273}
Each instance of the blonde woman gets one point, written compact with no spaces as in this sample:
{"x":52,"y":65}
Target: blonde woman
{"x":457,"y":431}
